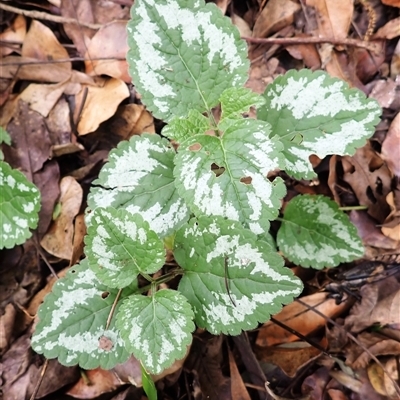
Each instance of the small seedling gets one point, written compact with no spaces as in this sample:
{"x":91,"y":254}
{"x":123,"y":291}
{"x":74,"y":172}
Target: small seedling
{"x":211,"y":197}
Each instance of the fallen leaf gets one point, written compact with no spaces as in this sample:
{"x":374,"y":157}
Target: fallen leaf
{"x":380,"y":380}
{"x":276,"y":15}
{"x":111,"y":41}
{"x":15,"y":33}
{"x":238,"y":389}
{"x":300,"y":318}
{"x":41,"y":44}
{"x":380,"y":304}
{"x":101,"y":103}
{"x":58,"y":240}
{"x":289,"y":358}
{"x":389,"y":31}
{"x":390,"y":146}
{"x":392,"y":3}
{"x":370,"y":179}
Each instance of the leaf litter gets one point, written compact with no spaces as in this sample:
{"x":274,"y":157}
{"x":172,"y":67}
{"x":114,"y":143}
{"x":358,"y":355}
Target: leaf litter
{"x":86,"y":106}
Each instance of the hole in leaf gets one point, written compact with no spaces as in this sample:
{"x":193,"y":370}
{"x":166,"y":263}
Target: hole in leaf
{"x":72,"y":271}
{"x":246,"y":180}
{"x":218,"y":171}
{"x":297,"y":138}
{"x":104,"y":295}
{"x":195,"y":147}
{"x":105,"y":343}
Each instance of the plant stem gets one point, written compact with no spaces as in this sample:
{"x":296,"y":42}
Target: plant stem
{"x":355,"y":208}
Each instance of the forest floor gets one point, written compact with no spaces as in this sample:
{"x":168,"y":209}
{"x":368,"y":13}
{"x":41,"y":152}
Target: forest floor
{"x":66,"y":99}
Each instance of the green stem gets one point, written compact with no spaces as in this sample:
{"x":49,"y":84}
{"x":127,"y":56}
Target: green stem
{"x":162,"y":279}
{"x":355,"y":208}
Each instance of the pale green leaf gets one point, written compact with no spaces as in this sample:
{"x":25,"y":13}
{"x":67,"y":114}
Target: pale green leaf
{"x":120,"y":245}
{"x":236,"y":101}
{"x":72,"y":322}
{"x":183,"y":54}
{"x":156,"y":329}
{"x":232,"y":279}
{"x":315,"y":233}
{"x":149,"y":386}
{"x":181,"y":128}
{"x":19,"y":207}
{"x":227,"y":175}
{"x":4,"y":138}
{"x":313,"y":113}
{"x":139,"y":178}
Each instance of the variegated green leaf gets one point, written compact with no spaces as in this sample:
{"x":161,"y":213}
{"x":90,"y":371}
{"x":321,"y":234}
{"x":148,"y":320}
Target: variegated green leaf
{"x":182,"y":128}
{"x":73,"y":319}
{"x":139,"y":178}
{"x":315,"y":233}
{"x":236,"y":101}
{"x":19,"y":206}
{"x":183,"y":54}
{"x":232,"y":279}
{"x":156,"y":329}
{"x":227,"y":175}
{"x":120,"y":245}
{"x":313,"y":113}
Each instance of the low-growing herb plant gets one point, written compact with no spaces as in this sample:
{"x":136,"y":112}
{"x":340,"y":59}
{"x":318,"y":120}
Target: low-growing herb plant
{"x":19,"y":202}
{"x":211,"y":198}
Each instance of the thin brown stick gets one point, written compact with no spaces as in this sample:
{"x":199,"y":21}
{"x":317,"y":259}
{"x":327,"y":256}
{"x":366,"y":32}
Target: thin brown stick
{"x":113,"y":308}
{"x":355,"y":340}
{"x":311,"y":40}
{"x":39,"y":382}
{"x":60,"y":61}
{"x":48,"y":17}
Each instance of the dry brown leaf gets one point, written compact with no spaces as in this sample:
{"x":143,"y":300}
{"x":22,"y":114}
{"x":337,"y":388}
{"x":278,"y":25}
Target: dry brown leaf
{"x":41,"y":44}
{"x":386,"y":92}
{"x":101,"y":103}
{"x":78,"y":243}
{"x":389,"y":30}
{"x":380,"y":304}
{"x":395,"y":63}
{"x":15,"y":33}
{"x":392,"y":3}
{"x":391,"y":146}
{"x":41,"y":97}
{"x":289,"y":359}
{"x":110,"y":41}
{"x":276,"y":15}
{"x":376,"y":344}
{"x":380,"y":380}
{"x":306,"y":52}
{"x":94,"y":383}
{"x":391,"y":226}
{"x":242,"y":25}
{"x":238,"y":389}
{"x":371,"y":235}
{"x":333,"y":17}
{"x":58,"y":240}
{"x":300,"y":318}
{"x":370,"y":179}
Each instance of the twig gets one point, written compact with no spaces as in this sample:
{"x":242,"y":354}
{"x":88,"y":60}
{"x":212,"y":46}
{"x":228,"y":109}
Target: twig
{"x":113,"y":308}
{"x":61,"y":60}
{"x":39,"y":382}
{"x":311,"y":40}
{"x":48,"y":17}
{"x":355,"y":340}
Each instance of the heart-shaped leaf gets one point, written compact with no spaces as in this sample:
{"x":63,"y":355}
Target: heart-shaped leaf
{"x":139,"y":178}
{"x":227,"y":175}
{"x":183,"y":54}
{"x":315,"y":233}
{"x":156,"y":329}
{"x":313,"y":113}
{"x":73,"y":318}
{"x":232,"y":279}
{"x":120,"y":245}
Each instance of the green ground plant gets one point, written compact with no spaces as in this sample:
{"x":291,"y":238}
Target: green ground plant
{"x":19,"y":202}
{"x":201,"y":190}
